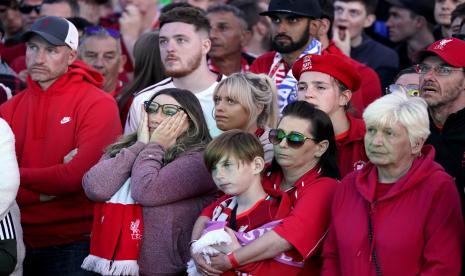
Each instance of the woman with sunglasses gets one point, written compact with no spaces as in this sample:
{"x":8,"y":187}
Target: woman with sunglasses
{"x":401,"y":213}
{"x":164,"y":160}
{"x":247,"y":102}
{"x":304,"y":166}
{"x":327,"y":81}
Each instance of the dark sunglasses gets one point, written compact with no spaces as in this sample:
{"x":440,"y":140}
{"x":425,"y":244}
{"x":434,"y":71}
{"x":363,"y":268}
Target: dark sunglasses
{"x":294,"y":139}
{"x":27,"y":9}
{"x":167,"y":109}
{"x":94,"y":30}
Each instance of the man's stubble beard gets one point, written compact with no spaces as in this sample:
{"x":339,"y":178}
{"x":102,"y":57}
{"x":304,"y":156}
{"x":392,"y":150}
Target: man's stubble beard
{"x":191,"y":65}
{"x":294,"y":46}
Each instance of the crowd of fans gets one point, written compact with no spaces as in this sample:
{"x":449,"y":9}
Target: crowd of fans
{"x":232,"y":137}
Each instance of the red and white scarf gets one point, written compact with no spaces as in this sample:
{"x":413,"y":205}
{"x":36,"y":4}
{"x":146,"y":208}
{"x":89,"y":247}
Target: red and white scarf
{"x":116,"y":235}
{"x":284,"y":79}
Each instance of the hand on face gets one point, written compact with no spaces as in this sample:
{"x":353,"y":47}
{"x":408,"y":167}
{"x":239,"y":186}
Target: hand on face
{"x":341,"y":38}
{"x":131,"y":22}
{"x":170,"y":129}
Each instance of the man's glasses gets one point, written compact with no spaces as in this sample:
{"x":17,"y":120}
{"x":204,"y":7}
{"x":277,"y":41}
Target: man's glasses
{"x":294,"y":139}
{"x":167,"y":109}
{"x":440,"y":70}
{"x":95,"y":30}
{"x":27,"y":9}
{"x":412,"y":90}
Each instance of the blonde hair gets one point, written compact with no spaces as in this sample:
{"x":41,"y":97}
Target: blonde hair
{"x":411,"y":112}
{"x":253,"y":91}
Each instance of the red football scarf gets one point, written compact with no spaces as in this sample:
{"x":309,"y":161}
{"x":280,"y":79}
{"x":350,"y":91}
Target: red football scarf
{"x":116,"y":235}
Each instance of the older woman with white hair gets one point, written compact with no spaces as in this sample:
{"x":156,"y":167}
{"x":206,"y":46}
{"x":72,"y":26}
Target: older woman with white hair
{"x":400,"y":214}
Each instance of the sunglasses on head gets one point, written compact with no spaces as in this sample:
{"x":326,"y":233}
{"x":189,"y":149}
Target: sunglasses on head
{"x":94,"y":30}
{"x":411,"y":89}
{"x":294,"y":139}
{"x":167,"y":109}
{"x":27,"y":9}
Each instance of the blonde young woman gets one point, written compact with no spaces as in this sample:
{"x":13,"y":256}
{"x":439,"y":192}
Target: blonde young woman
{"x":247,"y":102}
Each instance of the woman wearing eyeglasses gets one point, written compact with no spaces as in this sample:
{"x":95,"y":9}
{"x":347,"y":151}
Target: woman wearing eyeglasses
{"x":327,"y":81}
{"x":168,"y":178}
{"x":304,"y":167}
{"x":247,"y":102}
{"x":400,"y":214}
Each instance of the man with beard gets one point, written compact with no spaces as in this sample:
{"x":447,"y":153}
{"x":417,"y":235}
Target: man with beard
{"x":184,"y":45}
{"x":293,"y":25}
{"x":442,"y":85}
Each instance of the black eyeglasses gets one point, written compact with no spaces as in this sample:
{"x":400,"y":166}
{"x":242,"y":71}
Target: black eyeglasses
{"x":440,"y":70}
{"x":27,"y":9}
{"x":294,"y":139}
{"x":94,"y":30}
{"x":167,"y":109}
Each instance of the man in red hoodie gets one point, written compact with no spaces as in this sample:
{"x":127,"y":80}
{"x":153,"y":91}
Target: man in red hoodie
{"x":62,"y":121}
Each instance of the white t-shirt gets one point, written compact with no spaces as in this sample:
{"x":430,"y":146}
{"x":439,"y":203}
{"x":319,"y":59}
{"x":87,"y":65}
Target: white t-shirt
{"x":205,"y":97}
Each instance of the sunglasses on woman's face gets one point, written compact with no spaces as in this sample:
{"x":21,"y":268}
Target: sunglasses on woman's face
{"x":167,"y":109}
{"x":27,"y":9}
{"x":294,"y":139}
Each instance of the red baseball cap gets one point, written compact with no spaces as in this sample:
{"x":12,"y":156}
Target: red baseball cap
{"x":336,"y":66}
{"x":450,"y":49}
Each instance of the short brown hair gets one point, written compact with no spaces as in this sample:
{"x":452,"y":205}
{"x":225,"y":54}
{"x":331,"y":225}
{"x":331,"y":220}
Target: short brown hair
{"x":370,"y":5}
{"x":235,"y":143}
{"x":189,"y":15}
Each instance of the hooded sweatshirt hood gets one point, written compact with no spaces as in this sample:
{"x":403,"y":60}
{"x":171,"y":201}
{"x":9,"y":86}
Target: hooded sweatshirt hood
{"x":423,"y":167}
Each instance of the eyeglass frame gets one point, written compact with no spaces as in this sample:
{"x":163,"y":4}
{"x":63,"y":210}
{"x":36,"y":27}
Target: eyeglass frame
{"x":27,"y":9}
{"x":435,"y":69}
{"x":147,"y":105}
{"x":292,"y":144}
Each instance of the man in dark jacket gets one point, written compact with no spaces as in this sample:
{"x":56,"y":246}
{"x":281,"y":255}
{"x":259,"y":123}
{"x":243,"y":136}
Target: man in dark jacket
{"x":442,"y":85}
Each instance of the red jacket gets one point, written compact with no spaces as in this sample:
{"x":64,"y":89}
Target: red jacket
{"x":72,"y":113}
{"x":418,"y":227}
{"x":351,"y":149}
{"x":308,"y":223}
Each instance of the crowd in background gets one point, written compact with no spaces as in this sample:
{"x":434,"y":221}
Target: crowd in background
{"x":232,"y":137}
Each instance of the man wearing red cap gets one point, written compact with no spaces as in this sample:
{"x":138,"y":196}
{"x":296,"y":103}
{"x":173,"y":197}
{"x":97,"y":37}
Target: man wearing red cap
{"x":327,"y":81}
{"x":442,"y":85}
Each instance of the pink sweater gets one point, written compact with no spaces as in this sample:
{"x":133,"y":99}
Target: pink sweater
{"x":172,"y":197}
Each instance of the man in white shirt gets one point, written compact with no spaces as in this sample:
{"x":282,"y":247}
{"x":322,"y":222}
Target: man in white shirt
{"x":184,"y":45}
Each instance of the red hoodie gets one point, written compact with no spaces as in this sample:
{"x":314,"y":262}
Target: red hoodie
{"x":73,"y":113}
{"x":418,"y":227}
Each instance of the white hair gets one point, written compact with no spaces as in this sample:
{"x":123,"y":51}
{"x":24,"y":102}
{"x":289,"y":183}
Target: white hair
{"x":411,"y":112}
